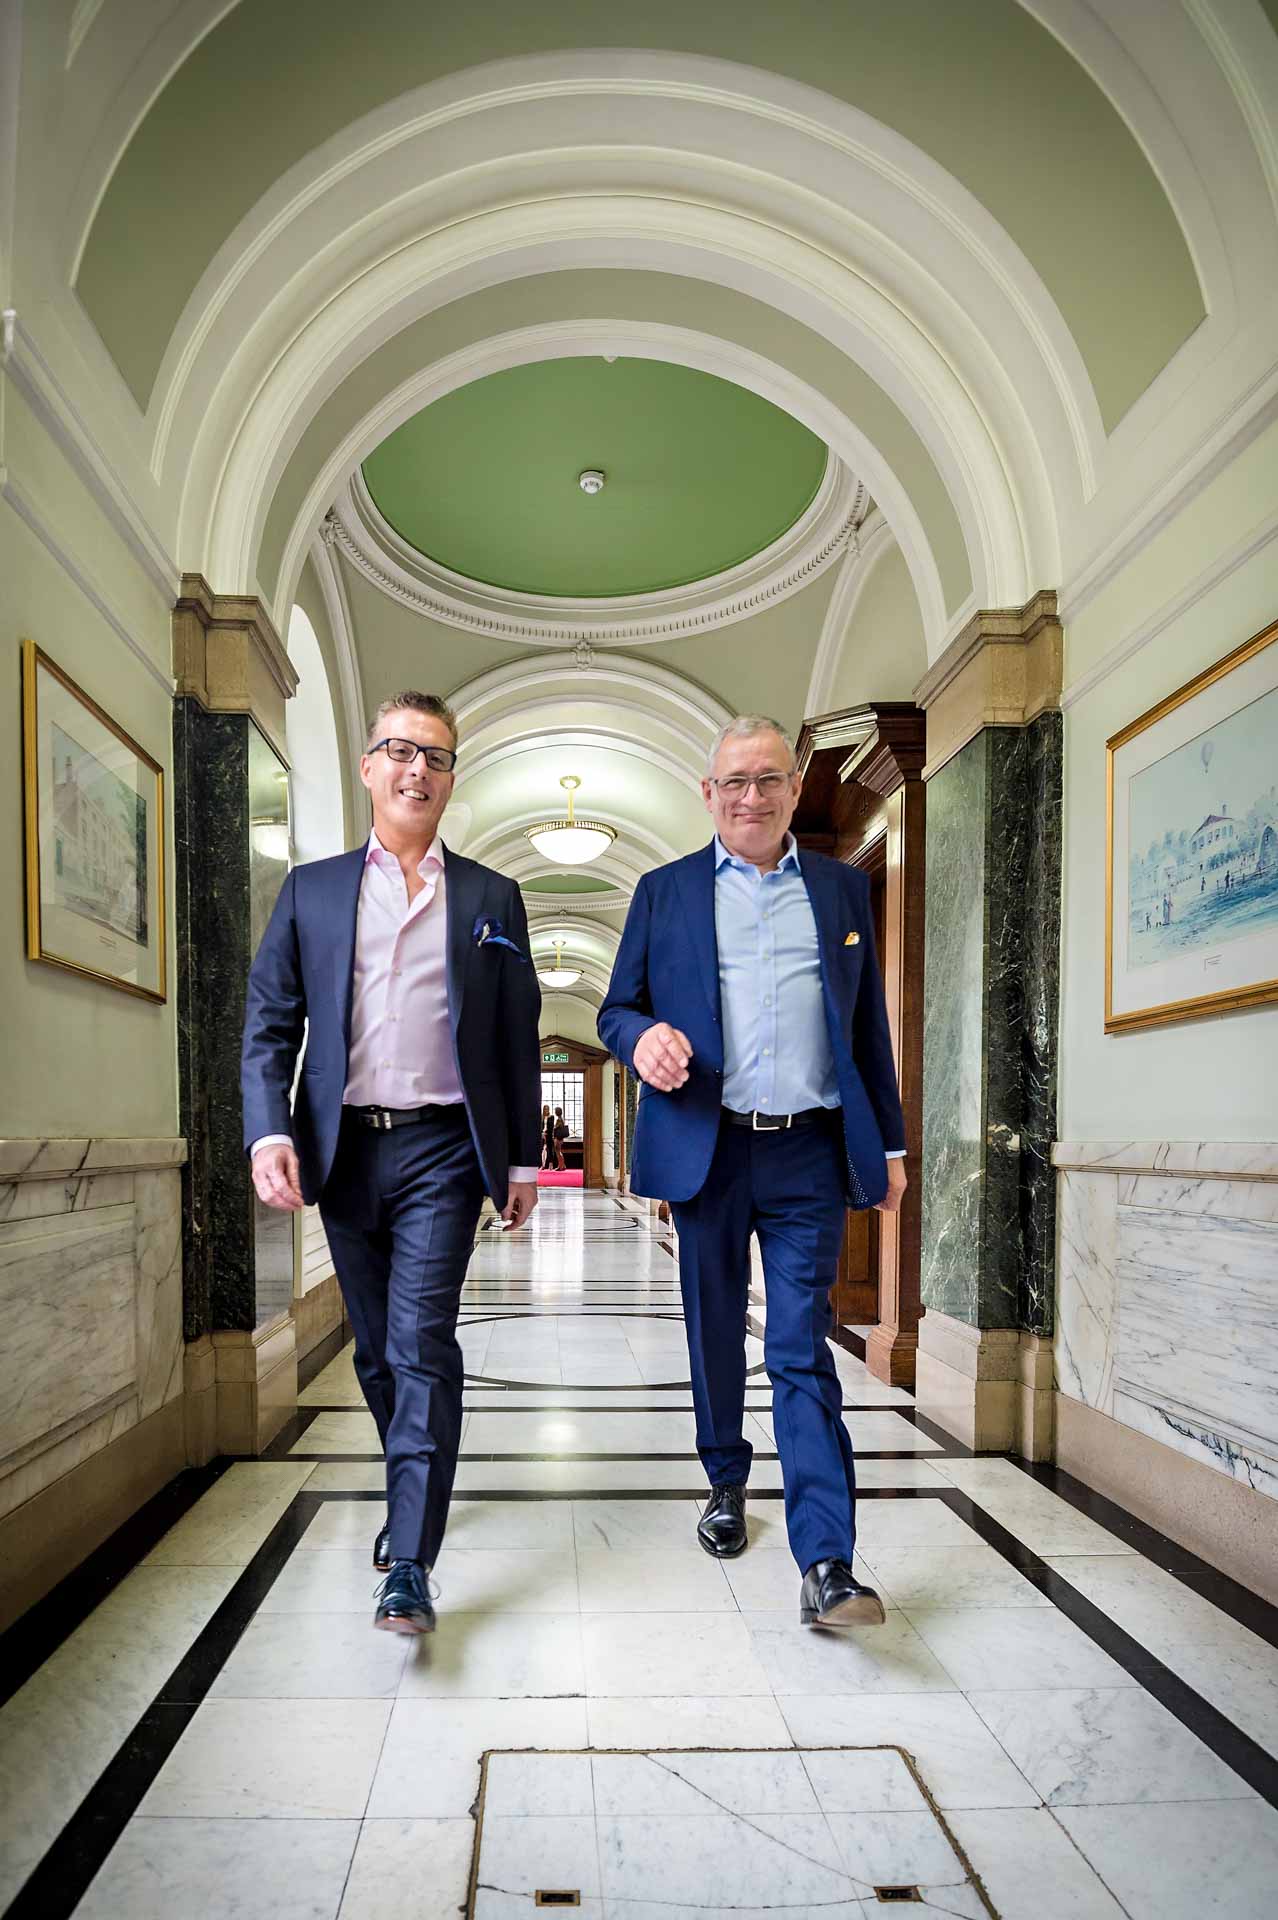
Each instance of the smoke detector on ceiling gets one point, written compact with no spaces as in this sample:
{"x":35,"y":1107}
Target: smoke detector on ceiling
{"x":592,"y":480}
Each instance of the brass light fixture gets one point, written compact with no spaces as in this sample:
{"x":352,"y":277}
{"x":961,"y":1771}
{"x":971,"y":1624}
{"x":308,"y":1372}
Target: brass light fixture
{"x":558,"y":976}
{"x":571,"y":842}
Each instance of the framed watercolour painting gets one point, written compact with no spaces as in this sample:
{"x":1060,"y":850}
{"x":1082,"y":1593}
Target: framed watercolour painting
{"x":1191,"y":913}
{"x":94,"y":836}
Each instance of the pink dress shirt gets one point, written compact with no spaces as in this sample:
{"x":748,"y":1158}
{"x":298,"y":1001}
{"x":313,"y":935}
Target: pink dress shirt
{"x":401,"y":1051}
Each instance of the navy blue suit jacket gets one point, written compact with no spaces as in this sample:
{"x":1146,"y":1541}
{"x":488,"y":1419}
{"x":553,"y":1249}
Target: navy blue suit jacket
{"x":304,"y":972}
{"x":667,"y":968}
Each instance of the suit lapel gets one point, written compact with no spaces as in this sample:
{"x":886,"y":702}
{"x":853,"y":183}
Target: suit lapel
{"x":348,"y":879}
{"x":463,"y":887}
{"x":696,"y":883}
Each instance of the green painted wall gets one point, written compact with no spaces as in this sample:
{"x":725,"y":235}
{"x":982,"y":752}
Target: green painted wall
{"x":666,"y":298}
{"x":977,"y":84}
{"x":701,"y":474}
{"x":79,"y":1057}
{"x":759,"y":665}
{"x":884,"y":655}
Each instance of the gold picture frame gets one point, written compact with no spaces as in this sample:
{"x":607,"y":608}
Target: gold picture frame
{"x":94,"y":820}
{"x":1189,"y":903}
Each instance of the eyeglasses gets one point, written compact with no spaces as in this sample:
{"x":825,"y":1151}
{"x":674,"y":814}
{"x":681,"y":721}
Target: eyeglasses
{"x":438,"y":759}
{"x":769,"y":785}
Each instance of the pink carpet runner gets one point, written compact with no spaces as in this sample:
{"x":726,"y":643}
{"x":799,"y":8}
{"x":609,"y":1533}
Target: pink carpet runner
{"x":571,"y":1177}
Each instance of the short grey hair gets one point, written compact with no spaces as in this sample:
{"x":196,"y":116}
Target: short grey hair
{"x":412,"y":702}
{"x":745,"y":727}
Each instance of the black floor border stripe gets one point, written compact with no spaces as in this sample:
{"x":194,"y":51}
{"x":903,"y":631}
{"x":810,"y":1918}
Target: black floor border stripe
{"x":1245,"y":1607}
{"x":567,"y":1406}
{"x":38,"y":1633}
{"x":1243,"y":1755}
{"x":63,"y":1876}
{"x":84,"y":1843}
{"x":569,"y":1459}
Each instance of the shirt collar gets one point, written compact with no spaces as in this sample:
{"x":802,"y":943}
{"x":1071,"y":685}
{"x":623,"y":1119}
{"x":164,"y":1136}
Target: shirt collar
{"x":376,"y":854}
{"x":790,"y":858}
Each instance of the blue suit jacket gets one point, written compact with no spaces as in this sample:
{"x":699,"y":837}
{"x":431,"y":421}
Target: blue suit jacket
{"x":667,"y":968}
{"x":304,"y":973}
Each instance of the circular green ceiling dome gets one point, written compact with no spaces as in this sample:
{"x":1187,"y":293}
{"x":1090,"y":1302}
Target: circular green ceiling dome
{"x":701,"y":475}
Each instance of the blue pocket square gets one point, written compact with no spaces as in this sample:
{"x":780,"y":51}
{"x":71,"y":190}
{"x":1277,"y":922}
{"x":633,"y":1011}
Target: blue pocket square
{"x":488,"y":932}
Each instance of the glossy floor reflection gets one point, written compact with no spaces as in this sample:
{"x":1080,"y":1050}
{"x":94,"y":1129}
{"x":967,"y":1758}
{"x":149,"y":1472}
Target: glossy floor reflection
{"x":225,"y":1735}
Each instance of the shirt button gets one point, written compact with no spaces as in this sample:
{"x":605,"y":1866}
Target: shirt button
{"x":766,"y":1052}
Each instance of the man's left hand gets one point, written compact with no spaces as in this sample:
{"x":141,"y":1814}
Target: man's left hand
{"x":521,"y":1198}
{"x":891,"y":1201}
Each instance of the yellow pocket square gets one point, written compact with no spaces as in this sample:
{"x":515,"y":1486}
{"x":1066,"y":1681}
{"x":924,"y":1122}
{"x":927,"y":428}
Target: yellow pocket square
{"x":853,"y":940}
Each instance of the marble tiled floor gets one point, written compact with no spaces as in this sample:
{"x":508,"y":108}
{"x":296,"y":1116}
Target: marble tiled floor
{"x":225,"y":1736}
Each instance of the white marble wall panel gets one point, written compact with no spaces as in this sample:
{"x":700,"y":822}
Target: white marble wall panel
{"x":67,"y":1308}
{"x":1167,"y":1308}
{"x":1087,"y":1238}
{"x":91,"y":1294}
{"x":157,"y":1229}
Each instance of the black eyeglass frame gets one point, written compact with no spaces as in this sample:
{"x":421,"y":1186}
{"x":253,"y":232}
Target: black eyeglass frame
{"x":397,"y":740}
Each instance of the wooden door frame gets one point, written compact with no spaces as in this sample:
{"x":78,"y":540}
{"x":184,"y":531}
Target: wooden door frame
{"x":864,"y":802}
{"x":589,"y":1061}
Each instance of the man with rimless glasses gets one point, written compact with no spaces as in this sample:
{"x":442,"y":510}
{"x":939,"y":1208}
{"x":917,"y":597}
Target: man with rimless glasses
{"x":747,"y":998}
{"x":406,"y":968}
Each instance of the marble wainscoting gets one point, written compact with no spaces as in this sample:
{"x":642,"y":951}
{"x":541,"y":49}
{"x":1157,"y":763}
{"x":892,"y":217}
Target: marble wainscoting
{"x":1167,"y":1310}
{"x":91,"y":1366}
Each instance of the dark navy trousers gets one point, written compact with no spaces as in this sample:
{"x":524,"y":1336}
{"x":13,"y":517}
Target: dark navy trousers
{"x":400,"y":1210}
{"x":788,"y":1188}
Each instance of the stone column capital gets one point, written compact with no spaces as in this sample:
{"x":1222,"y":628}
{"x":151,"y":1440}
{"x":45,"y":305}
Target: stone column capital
{"x":1002,"y":670}
{"x":228,"y":656}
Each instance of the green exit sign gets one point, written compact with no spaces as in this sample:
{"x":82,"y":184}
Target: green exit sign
{"x":554,"y":1059}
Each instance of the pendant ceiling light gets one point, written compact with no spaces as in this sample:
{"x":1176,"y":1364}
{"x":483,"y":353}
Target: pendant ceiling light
{"x":558,"y":976}
{"x":571,"y":842}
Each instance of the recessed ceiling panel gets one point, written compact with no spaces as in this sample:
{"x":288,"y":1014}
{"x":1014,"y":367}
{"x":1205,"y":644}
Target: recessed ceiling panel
{"x":699,"y":475}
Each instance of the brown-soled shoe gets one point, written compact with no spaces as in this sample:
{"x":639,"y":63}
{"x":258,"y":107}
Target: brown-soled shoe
{"x":403,"y":1600}
{"x":833,"y":1597}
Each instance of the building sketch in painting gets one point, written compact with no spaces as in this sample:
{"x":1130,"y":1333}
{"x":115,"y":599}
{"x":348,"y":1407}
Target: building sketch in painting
{"x":99,"y":867}
{"x":1204,"y":840}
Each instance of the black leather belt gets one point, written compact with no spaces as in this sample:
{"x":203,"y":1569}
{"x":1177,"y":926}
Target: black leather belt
{"x":383,"y":1119}
{"x":778,"y":1122}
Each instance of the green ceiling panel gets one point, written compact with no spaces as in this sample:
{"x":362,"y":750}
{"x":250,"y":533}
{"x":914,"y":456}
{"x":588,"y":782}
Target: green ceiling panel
{"x":977,"y":84}
{"x":701,"y":474}
{"x":567,"y":883}
{"x":626,"y":295}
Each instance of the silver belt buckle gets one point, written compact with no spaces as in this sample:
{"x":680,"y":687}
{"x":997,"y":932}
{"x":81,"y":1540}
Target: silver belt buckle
{"x":382,"y":1119}
{"x":782,"y":1122}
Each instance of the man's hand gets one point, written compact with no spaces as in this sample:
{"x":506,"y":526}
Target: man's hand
{"x":521,"y":1198}
{"x":891,"y":1201}
{"x":662,"y":1054}
{"x":276,"y":1178}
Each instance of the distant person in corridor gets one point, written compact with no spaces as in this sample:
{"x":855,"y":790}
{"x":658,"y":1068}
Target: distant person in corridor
{"x":747,"y":998}
{"x":417,"y":1094}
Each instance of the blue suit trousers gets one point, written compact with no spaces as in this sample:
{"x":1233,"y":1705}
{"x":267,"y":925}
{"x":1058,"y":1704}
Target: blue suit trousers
{"x":788,"y":1189}
{"x":400,"y":1210}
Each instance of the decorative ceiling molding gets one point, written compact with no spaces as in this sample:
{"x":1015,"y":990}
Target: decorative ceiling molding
{"x":571,"y":903}
{"x":356,"y":527}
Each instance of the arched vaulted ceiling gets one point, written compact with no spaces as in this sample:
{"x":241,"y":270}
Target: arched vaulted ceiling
{"x":1013,"y":264}
{"x":979,"y":85}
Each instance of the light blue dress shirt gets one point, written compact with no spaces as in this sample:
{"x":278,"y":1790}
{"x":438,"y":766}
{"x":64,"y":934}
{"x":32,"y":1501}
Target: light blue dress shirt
{"x":776,"y":1045}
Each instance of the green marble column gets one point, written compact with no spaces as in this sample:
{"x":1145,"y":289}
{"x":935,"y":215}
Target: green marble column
{"x":992,"y":923}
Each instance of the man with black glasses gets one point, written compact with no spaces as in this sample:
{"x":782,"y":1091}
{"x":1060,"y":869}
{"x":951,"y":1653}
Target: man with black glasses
{"x":747,"y":998}
{"x":407,"y":969}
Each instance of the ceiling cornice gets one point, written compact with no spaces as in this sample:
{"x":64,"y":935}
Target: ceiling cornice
{"x":819,"y":536}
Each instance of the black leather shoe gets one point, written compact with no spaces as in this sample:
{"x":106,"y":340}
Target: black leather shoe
{"x":831,"y":1597}
{"x":403,"y":1600}
{"x":381,"y":1549}
{"x":722,"y":1527}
